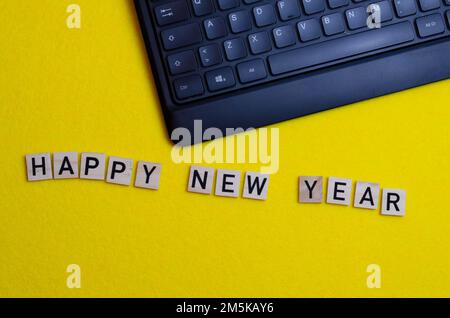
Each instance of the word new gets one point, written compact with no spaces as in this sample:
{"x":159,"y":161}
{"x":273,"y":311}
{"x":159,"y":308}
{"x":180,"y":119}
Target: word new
{"x":92,"y":166}
{"x":339,"y":191}
{"x":228,"y":182}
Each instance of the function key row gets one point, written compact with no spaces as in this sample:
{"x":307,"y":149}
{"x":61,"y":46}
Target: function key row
{"x":178,"y":11}
{"x":220,"y":79}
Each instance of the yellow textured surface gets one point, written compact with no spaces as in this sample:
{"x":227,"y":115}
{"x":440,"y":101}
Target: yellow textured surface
{"x":92,"y":90}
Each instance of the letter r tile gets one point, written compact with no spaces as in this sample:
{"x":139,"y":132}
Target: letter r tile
{"x":393,"y":202}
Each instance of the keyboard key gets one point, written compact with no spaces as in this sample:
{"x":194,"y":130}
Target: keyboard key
{"x":430,"y":25}
{"x":188,"y":86}
{"x":215,"y":28}
{"x":385,"y":10}
{"x":333,"y":24}
{"x":356,"y":18}
{"x":172,"y":12}
{"x":447,"y":3}
{"x":235,"y":49}
{"x":251,"y":71}
{"x":405,"y":7}
{"x":220,"y":79}
{"x":427,"y":5}
{"x":309,"y":30}
{"x":250,"y":1}
{"x":337,"y":3}
{"x":313,"y":6}
{"x":259,"y":42}
{"x":240,"y":21}
{"x":202,"y":7}
{"x":341,"y":48}
{"x":288,"y":9}
{"x":228,"y":4}
{"x":264,"y":15}
{"x":181,"y":36}
{"x":284,"y":36}
{"x":182,"y":62}
{"x":210,"y":55}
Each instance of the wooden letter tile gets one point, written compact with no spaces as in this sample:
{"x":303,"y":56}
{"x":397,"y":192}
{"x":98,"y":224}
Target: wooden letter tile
{"x":310,"y":189}
{"x":228,"y":183}
{"x":65,"y":165}
{"x":366,"y":195}
{"x":148,"y":175}
{"x":201,"y":179}
{"x":119,"y":170}
{"x":92,"y":166}
{"x":393,"y":202}
{"x":339,"y":191}
{"x":256,"y":186}
{"x":39,"y":167}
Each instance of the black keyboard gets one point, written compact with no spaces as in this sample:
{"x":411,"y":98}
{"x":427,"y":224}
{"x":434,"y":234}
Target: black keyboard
{"x":203,"y":51}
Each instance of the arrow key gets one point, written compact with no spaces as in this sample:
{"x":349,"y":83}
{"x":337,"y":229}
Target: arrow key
{"x":210,"y":55}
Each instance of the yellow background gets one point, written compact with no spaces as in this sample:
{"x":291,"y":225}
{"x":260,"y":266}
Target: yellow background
{"x":92,"y":90}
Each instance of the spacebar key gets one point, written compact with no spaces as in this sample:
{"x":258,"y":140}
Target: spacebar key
{"x":341,"y":48}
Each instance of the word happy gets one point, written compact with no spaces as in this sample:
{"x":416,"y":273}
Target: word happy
{"x":92,"y":166}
